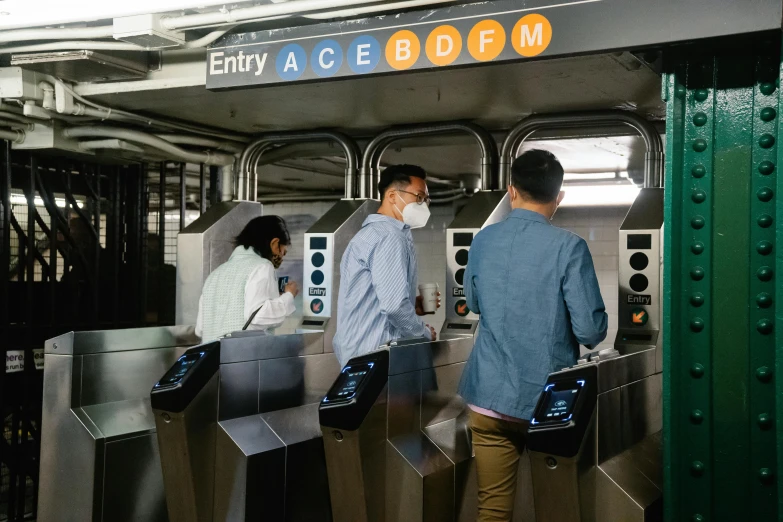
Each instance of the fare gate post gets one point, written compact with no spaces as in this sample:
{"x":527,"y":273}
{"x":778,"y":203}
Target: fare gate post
{"x":723,"y":339}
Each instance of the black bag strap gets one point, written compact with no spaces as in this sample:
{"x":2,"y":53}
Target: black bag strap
{"x":252,"y":316}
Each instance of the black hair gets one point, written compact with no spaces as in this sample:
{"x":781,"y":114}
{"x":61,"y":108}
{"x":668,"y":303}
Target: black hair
{"x":538,"y":175}
{"x":260,"y":231}
{"x":399,"y":176}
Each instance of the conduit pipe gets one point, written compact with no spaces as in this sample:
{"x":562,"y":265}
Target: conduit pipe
{"x":72,"y":46}
{"x":17,"y":125}
{"x":14,"y":135}
{"x":250,"y":157}
{"x":653,"y":158}
{"x":347,"y":13}
{"x":243,"y":14}
{"x":198,"y":141}
{"x":206,"y":157}
{"x":113,"y":144}
{"x":368,"y":182}
{"x":76,"y":33}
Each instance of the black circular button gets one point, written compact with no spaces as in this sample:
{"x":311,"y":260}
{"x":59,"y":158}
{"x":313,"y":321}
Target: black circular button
{"x":639,"y":261}
{"x":317,"y":260}
{"x":460,"y":276}
{"x":317,"y":278}
{"x":639,"y":283}
{"x":462,"y":257}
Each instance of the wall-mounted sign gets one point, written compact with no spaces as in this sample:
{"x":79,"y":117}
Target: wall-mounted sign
{"x":475,"y":33}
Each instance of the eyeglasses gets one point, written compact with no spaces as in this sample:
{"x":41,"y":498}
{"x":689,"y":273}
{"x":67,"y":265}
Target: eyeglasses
{"x":420,"y":198}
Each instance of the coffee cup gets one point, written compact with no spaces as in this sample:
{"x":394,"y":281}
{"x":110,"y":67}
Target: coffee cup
{"x":429,"y":297}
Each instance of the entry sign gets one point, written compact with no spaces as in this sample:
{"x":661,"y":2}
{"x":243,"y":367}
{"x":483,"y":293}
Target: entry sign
{"x":639,"y":316}
{"x":474,"y":33}
{"x":461,"y":308}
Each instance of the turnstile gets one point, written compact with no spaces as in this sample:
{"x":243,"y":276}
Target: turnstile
{"x":595,"y":439}
{"x":238,"y":429}
{"x":99,"y":452}
{"x":396,"y":435}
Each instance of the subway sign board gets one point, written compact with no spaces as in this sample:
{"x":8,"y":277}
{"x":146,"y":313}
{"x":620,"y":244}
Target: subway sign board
{"x":472,"y":34}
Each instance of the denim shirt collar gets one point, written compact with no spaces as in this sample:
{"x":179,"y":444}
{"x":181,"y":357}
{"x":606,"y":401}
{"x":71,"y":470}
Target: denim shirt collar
{"x":521,"y":213}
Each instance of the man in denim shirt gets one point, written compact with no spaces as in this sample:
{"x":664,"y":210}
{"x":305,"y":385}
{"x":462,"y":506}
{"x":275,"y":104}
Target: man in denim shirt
{"x":536,"y":291}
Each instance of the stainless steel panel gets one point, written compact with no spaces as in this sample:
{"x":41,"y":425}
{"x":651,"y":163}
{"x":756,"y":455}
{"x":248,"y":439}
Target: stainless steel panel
{"x":116,"y":376}
{"x":187,"y":455}
{"x":404,"y":396}
{"x":413,"y":355}
{"x":440,"y":401}
{"x":306,"y":482}
{"x":249,"y":471}
{"x":294,"y":425}
{"x":625,"y":369}
{"x":627,"y":480}
{"x":420,"y":481}
{"x":101,"y":341}
{"x":524,"y":507}
{"x":67,"y":451}
{"x":202,"y":246}
{"x":627,"y":415}
{"x":122,"y":418}
{"x":356,"y":462}
{"x":134,"y":481}
{"x":238,"y":395}
{"x":615,"y":504}
{"x":252,"y":346}
{"x":294,"y":381}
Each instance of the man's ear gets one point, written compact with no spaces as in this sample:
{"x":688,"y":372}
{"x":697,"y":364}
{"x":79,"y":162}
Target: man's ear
{"x":560,"y":197}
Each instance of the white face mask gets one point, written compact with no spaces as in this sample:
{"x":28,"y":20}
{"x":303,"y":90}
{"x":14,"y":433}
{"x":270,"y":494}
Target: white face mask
{"x":414,"y":215}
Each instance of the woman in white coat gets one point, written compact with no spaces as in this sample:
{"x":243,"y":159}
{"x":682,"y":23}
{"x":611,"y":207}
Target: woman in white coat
{"x":244,"y":290}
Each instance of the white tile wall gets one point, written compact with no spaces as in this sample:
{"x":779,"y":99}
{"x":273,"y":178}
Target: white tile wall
{"x":599,"y":226}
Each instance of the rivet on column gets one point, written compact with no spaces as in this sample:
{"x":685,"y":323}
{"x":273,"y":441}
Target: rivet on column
{"x":764,"y":273}
{"x":697,"y":324}
{"x":697,"y":273}
{"x":697,"y":222}
{"x":764,"y":221}
{"x":697,"y":371}
{"x":764,"y":373}
{"x":766,"y":475}
{"x":764,"y":326}
{"x":767,"y":88}
{"x":698,"y":196}
{"x":766,"y":141}
{"x":701,"y":95}
{"x":765,"y":421}
{"x":697,"y":299}
{"x":699,"y":119}
{"x":765,"y":194}
{"x":697,"y":468}
{"x":697,"y":248}
{"x":767,"y":114}
{"x":697,"y":416}
{"x":764,"y":300}
{"x":764,"y":248}
{"x":699,"y":145}
{"x":766,"y":168}
{"x":698,"y":171}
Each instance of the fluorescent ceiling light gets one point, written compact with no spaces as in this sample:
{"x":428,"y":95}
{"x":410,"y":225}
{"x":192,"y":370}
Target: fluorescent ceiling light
{"x":20,"y":199}
{"x":599,"y":195}
{"x":593,"y":175}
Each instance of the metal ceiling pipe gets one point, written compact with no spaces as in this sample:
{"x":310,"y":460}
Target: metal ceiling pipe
{"x":368,"y":181}
{"x":653,"y":158}
{"x":251,"y":156}
{"x":177,"y":153}
{"x":14,"y":135}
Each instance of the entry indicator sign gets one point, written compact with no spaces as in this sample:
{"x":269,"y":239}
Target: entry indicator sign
{"x":461,"y":308}
{"x":639,"y":316}
{"x":317,"y":306}
{"x":639,"y":299}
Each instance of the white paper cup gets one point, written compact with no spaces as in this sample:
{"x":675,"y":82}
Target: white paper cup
{"x":429,"y":297}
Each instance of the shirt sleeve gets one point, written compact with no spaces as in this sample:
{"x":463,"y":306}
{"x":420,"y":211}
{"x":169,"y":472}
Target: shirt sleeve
{"x":261,"y":291}
{"x":200,"y":317}
{"x":471,"y":293}
{"x":390,"y":278}
{"x":583,"y":297}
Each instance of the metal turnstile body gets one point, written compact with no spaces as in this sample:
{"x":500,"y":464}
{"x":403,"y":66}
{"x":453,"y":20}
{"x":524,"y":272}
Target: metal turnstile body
{"x":396,"y":436}
{"x":99,"y":451}
{"x":246,"y":411}
{"x":616,"y":423}
{"x":483,"y":209}
{"x":238,"y":429}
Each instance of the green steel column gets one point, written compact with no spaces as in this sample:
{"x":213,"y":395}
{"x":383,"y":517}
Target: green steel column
{"x":720,"y":409}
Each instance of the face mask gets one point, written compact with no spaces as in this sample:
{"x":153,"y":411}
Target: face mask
{"x":414,"y":215}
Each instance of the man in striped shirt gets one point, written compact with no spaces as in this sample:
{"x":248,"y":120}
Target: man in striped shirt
{"x":377,"y":301}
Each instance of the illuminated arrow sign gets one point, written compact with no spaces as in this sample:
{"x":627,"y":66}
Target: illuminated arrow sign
{"x":639,"y":316}
{"x":317,"y":306}
{"x":461,"y":308}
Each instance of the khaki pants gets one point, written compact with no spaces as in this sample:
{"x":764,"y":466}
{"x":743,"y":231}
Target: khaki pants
{"x":497,"y":444}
